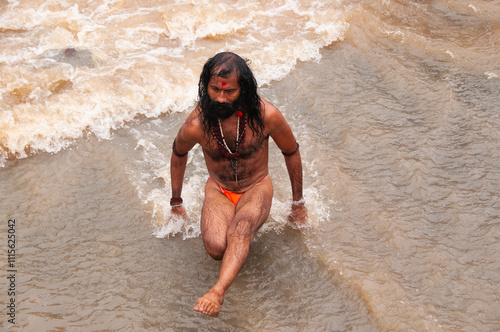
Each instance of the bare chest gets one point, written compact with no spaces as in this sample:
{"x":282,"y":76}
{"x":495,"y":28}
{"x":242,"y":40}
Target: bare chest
{"x":232,"y":147}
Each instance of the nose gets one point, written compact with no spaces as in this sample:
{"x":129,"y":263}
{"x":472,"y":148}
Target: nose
{"x":220,"y":97}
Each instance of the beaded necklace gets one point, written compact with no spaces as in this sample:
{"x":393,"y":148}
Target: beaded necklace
{"x":240,"y":138}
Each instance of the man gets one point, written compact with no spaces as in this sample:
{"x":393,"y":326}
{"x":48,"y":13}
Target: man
{"x":233,"y":125}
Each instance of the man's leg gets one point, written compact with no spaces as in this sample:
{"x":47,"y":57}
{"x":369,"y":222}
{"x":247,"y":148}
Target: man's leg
{"x":252,"y":211}
{"x":216,"y":216}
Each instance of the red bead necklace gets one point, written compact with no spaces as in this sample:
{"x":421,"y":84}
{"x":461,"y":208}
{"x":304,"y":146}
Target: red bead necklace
{"x":240,"y":138}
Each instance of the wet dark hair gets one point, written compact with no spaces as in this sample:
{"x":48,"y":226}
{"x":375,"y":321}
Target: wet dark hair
{"x":223,"y":65}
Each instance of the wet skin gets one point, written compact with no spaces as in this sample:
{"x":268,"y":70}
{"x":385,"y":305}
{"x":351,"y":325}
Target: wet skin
{"x":227,"y":229}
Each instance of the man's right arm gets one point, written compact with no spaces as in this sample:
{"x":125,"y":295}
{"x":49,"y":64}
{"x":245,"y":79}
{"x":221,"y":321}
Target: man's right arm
{"x":187,"y":137}
{"x":177,"y":170}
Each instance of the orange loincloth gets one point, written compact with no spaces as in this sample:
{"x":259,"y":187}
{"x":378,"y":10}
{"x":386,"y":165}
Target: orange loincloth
{"x":234,"y":197}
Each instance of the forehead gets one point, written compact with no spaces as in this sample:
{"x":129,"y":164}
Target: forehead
{"x":231,"y":79}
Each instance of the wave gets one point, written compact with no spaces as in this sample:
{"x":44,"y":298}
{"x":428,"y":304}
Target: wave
{"x":73,"y":70}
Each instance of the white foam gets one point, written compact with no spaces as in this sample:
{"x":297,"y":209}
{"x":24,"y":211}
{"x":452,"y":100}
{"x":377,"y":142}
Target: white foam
{"x":491,"y":74}
{"x":474,"y":9}
{"x":145,"y":60}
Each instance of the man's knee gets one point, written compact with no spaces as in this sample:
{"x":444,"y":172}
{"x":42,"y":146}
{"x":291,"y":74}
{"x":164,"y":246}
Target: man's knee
{"x":215,"y":249}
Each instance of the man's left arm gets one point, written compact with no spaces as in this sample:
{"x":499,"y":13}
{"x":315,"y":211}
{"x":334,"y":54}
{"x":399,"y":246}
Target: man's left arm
{"x":294,"y":167}
{"x":285,"y":140}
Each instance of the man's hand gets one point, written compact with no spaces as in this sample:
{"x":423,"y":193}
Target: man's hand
{"x":179,"y":212}
{"x":298,"y":214}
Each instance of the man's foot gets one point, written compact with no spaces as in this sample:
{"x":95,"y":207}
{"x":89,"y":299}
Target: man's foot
{"x":209,"y":304}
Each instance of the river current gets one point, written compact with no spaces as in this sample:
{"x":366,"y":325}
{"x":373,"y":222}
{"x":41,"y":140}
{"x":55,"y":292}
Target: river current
{"x":394,"y":104}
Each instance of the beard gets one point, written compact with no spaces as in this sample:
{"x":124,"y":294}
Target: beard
{"x":221,"y":111}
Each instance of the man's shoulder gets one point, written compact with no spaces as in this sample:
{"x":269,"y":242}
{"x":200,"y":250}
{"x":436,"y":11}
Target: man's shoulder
{"x":274,"y":121}
{"x":271,"y":112}
{"x":192,"y":126}
{"x":267,"y":106}
{"x":193,"y":120}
